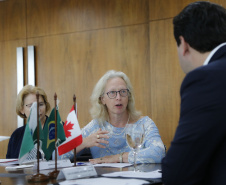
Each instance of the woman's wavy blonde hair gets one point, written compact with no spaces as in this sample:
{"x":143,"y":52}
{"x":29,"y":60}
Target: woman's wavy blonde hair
{"x":29,"y":89}
{"x":98,"y":110}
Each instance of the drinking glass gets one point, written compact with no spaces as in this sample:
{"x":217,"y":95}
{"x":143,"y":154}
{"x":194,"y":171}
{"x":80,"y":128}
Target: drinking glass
{"x":134,"y":138}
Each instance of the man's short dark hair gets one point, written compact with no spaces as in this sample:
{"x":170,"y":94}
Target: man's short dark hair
{"x":202,"y":24}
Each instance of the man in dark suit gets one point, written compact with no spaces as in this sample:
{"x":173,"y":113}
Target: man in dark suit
{"x":197,"y":155}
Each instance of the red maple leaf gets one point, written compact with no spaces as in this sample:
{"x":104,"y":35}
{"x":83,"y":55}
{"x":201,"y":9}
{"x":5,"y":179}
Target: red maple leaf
{"x":67,"y":127}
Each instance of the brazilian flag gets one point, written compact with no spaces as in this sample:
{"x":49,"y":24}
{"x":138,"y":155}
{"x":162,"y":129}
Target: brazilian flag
{"x":49,"y":134}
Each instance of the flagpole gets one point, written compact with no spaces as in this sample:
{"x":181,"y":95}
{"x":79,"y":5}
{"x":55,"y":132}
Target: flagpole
{"x":55,"y":99}
{"x":37,"y":97}
{"x":53,"y":174}
{"x":38,"y":177}
{"x":74,"y":99}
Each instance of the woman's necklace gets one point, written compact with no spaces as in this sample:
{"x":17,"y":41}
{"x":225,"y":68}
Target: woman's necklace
{"x":114,"y":133}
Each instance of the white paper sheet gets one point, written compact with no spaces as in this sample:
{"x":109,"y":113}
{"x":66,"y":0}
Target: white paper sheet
{"x":104,"y":181}
{"x":132,"y":174}
{"x":7,"y":160}
{"x":14,"y":168}
{"x":114,"y":165}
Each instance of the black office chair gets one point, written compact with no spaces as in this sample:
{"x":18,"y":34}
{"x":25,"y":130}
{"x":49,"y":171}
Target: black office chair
{"x":84,"y":156}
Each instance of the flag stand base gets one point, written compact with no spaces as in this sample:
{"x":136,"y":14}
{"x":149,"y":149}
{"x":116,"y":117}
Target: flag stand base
{"x":53,"y":174}
{"x":38,"y":178}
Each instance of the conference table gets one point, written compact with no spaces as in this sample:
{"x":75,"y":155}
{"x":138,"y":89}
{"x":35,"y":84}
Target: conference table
{"x":20,"y":176}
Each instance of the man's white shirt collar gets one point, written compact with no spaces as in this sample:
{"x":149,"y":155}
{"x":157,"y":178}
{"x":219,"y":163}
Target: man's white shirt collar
{"x":212,"y":53}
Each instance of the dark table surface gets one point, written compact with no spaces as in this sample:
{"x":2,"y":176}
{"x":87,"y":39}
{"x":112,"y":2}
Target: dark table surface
{"x":20,"y":177}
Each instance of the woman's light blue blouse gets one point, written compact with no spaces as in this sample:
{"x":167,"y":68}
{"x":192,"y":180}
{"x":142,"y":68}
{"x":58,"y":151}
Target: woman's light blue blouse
{"x":152,"y":150}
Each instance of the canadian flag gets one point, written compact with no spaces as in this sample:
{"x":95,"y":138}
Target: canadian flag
{"x":72,"y":132}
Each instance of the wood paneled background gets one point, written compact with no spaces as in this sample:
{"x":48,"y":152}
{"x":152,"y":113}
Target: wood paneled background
{"x":77,"y":41}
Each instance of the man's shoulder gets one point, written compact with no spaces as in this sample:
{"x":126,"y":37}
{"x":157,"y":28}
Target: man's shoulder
{"x":211,"y":72}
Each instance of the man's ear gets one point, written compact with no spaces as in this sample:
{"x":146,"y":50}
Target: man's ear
{"x":184,"y":46}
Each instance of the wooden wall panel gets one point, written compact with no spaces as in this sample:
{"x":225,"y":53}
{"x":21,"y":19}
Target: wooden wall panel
{"x":73,"y":63}
{"x":65,"y":16}
{"x":12,"y":20}
{"x":8,"y":90}
{"x":166,"y":77}
{"x":164,"y":9}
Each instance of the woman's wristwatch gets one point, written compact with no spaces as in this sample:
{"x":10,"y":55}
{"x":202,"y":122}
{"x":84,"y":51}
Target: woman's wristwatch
{"x":121,"y":157}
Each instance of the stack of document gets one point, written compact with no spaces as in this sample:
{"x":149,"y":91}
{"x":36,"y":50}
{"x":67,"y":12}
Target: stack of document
{"x":7,"y":162}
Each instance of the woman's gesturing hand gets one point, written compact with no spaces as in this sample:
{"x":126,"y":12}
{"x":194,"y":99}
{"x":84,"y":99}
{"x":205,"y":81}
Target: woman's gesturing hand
{"x":96,"y":139}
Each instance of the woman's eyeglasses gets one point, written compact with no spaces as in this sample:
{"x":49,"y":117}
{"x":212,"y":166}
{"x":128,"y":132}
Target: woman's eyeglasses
{"x":122,"y":92}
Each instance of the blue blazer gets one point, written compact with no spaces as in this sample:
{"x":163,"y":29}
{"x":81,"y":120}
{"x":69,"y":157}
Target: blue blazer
{"x":198,"y":151}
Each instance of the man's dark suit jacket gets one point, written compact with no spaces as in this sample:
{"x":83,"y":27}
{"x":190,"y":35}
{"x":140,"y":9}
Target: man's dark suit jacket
{"x":197,"y":155}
